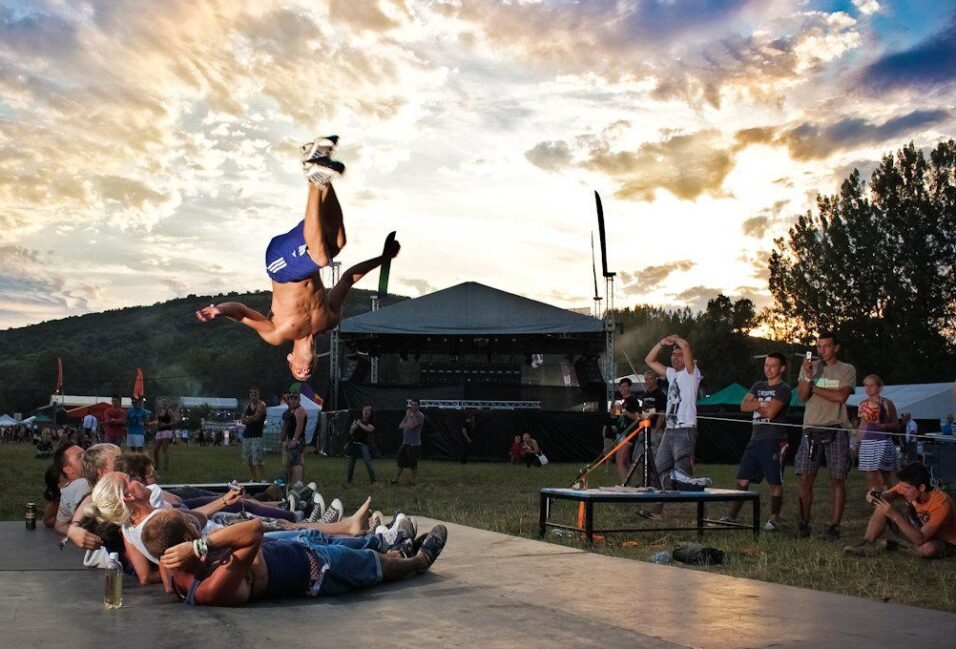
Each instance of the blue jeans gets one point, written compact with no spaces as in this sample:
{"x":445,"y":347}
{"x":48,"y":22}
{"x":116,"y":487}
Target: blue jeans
{"x":356,"y":448}
{"x":348,"y":562}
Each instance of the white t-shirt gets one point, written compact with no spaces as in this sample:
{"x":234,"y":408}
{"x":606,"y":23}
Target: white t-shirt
{"x":70,"y":498}
{"x":682,"y":397}
{"x":89,"y":421}
{"x":911,"y":430}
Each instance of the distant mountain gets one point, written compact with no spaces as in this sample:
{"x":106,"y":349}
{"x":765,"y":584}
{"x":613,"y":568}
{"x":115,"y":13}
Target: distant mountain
{"x":178,"y":354}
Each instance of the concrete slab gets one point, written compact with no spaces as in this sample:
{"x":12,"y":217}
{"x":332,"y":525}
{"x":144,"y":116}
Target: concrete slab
{"x":488,"y":590}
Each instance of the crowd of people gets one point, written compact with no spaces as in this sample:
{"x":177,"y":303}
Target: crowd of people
{"x":223,"y":549}
{"x":924,"y":516}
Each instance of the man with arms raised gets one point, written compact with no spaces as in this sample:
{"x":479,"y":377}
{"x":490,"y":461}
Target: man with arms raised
{"x":763,"y":458}
{"x":676,"y":450}
{"x":825,"y":385}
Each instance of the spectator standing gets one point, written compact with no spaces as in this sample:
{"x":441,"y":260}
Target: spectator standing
{"x":630,"y":412}
{"x":114,"y":422}
{"x":293,"y":439}
{"x":136,"y":418}
{"x":877,"y":452}
{"x":253,"y":418}
{"x":167,"y":419}
{"x":680,"y":424}
{"x":947,"y":427}
{"x":653,"y":407}
{"x":411,"y":448}
{"x":467,"y":437}
{"x":89,"y":430}
{"x":910,"y":431}
{"x":825,"y":385}
{"x":769,"y":401}
{"x":358,"y":446}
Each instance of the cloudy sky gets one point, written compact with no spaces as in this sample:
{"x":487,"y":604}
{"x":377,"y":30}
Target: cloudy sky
{"x":148,"y":150}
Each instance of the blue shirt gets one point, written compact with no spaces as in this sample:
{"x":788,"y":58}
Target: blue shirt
{"x":412,"y":434}
{"x":136,"y":419}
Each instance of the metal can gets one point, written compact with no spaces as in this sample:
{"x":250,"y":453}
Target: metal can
{"x":31,"y":516}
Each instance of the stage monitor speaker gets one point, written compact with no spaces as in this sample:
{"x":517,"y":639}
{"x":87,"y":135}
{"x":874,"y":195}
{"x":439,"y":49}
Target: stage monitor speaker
{"x":588,"y":371}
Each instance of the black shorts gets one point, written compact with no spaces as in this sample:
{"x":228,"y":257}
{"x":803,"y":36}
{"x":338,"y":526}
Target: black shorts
{"x":762,"y":459}
{"x":408,"y":456}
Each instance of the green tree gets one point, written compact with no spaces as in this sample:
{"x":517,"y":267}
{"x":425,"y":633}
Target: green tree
{"x":877,"y":264}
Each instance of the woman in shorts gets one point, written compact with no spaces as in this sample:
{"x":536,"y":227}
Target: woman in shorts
{"x":877,"y":452}
{"x":166,"y":423}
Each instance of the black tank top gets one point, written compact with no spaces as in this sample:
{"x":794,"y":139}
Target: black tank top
{"x":253,"y":428}
{"x":165,"y":421}
{"x":288,"y":423}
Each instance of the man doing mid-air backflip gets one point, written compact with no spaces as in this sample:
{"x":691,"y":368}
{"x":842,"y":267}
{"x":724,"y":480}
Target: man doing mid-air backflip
{"x":301,"y":306}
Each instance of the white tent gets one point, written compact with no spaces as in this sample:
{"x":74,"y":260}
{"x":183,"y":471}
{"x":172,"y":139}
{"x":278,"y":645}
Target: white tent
{"x":7,"y":420}
{"x":273,"y":424}
{"x":921,"y":400}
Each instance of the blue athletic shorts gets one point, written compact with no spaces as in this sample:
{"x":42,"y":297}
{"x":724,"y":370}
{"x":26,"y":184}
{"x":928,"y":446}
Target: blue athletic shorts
{"x":348,"y":562}
{"x":287,"y":257}
{"x":762,"y":460}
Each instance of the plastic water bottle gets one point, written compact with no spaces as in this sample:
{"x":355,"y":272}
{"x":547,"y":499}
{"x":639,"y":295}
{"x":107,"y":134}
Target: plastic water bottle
{"x":113,"y":598}
{"x":661,"y":557}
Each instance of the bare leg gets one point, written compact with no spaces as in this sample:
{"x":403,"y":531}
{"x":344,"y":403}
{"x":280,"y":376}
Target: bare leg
{"x":394,"y":568}
{"x":876,"y":526}
{"x":838,"y":495}
{"x":324,"y":228}
{"x":338,"y":292}
{"x":776,"y":502}
{"x":806,"y":495}
{"x":742,"y":485}
{"x":622,"y":460}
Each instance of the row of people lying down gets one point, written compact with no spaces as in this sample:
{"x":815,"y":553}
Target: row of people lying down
{"x":207,"y":562}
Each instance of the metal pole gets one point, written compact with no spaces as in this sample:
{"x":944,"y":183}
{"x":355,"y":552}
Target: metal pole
{"x":610,"y":366}
{"x":334,"y":369}
{"x":374,"y":377}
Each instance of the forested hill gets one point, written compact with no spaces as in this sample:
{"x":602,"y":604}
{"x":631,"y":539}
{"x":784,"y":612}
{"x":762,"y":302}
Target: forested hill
{"x":178,"y":354}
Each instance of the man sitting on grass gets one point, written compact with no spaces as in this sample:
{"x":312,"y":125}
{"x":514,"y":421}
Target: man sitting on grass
{"x":928,"y":523}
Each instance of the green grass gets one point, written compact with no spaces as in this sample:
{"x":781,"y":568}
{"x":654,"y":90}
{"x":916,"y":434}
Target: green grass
{"x":504,"y":498}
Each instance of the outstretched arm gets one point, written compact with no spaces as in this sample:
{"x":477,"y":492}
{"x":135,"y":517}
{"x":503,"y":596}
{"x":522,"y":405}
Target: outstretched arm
{"x":242,"y":314}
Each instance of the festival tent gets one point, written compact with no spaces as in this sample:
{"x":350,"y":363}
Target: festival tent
{"x":924,"y":401}
{"x":7,"y":420}
{"x":731,"y":395}
{"x":273,"y":423}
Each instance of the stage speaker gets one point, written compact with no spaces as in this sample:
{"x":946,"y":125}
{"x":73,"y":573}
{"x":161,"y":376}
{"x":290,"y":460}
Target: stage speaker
{"x":356,"y":369}
{"x":588,"y":372}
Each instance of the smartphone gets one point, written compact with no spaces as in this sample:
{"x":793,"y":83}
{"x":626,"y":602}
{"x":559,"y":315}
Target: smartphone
{"x":876,"y":495}
{"x":809,"y":356}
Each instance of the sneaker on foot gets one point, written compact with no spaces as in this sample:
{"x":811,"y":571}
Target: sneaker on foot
{"x":334,"y":513}
{"x":318,"y":508}
{"x":803,"y":529}
{"x":323,"y":171}
{"x":322,"y":146}
{"x":293,"y":500}
{"x":433,"y":544}
{"x":833,"y":531}
{"x":862,"y":549}
{"x":770,"y":526}
{"x":375,"y":520}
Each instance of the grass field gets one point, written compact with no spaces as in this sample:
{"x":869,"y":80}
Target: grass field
{"x":504,"y":498}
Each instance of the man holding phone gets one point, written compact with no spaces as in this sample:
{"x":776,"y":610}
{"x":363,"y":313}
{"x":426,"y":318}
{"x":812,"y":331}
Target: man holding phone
{"x":929,"y":524}
{"x":825,"y":385}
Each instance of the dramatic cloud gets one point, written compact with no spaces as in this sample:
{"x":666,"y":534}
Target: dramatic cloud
{"x":550,"y":156}
{"x":685,"y":165}
{"x":696,"y":297}
{"x":808,"y":141}
{"x":927,"y":64}
{"x":647,"y":279}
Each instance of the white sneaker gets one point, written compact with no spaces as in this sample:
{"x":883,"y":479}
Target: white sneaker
{"x":320,"y":147}
{"x":334,"y":513}
{"x":770,"y":526}
{"x":322,"y":171}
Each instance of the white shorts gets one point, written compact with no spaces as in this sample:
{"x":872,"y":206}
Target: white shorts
{"x":135,"y":441}
{"x":164,"y":434}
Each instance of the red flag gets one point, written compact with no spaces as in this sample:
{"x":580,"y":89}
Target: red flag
{"x":138,"y":390}
{"x":59,"y":375}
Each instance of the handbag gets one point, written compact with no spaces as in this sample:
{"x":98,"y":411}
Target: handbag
{"x":542,"y":458}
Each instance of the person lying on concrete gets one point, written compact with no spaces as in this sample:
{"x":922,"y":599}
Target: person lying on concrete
{"x":925,"y":517}
{"x":236,"y":565}
{"x":119,"y":500}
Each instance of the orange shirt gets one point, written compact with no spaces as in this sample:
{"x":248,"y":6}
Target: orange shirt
{"x":939,"y":511}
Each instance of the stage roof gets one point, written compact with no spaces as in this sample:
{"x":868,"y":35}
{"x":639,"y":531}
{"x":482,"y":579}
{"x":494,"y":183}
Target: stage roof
{"x":474,"y":318}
